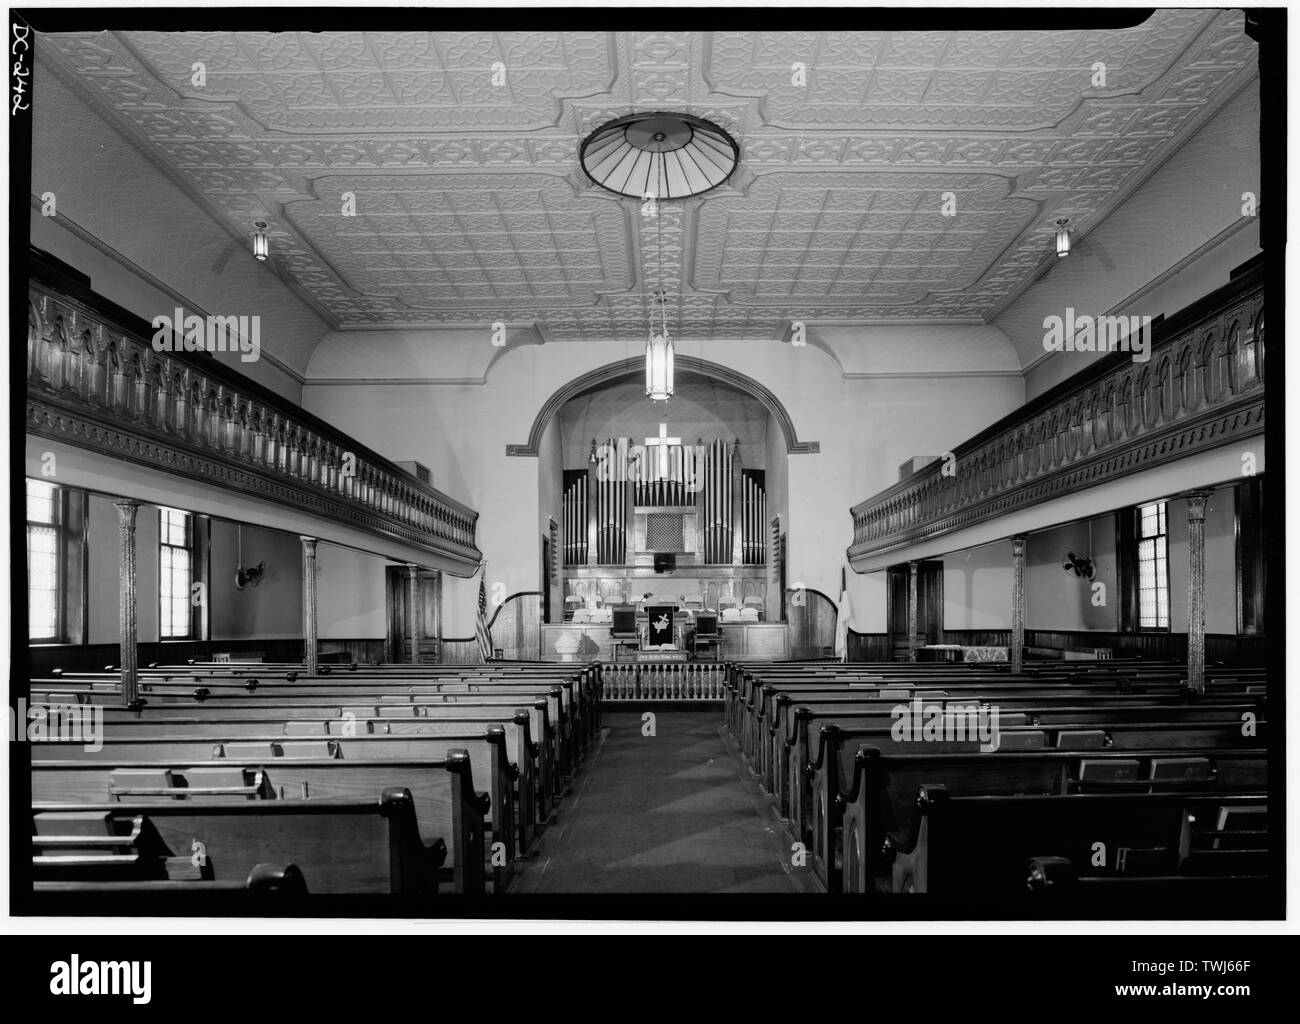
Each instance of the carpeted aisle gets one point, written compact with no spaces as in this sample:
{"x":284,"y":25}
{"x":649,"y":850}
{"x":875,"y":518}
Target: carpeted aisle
{"x":669,"y":813}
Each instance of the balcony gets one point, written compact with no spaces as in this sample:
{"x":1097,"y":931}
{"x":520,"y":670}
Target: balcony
{"x":95,"y":381}
{"x":1202,"y":387}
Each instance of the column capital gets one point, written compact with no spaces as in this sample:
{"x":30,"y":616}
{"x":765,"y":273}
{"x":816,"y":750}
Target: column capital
{"x":1196,"y":502}
{"x":1018,"y":546}
{"x":412,"y":569}
{"x":308,"y":543}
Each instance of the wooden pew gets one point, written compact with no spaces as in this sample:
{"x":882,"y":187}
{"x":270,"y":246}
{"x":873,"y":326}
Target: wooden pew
{"x":1089,"y":729}
{"x":566,"y":743}
{"x":878,"y":798}
{"x":344,"y":846}
{"x":758,"y":719}
{"x":520,"y":750}
{"x":446,"y":806}
{"x":548,"y":783}
{"x":486,"y":751}
{"x":286,"y":883}
{"x":981,"y":844}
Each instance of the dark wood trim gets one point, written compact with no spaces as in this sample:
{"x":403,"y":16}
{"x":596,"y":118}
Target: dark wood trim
{"x":1251,"y":567}
{"x":108,"y":391}
{"x":1220,"y":648}
{"x":1126,"y":574}
{"x":44,"y":658}
{"x":1113,"y":419}
{"x":868,"y":646}
{"x":979,"y":637}
{"x":50,"y":270}
{"x":1249,"y":275}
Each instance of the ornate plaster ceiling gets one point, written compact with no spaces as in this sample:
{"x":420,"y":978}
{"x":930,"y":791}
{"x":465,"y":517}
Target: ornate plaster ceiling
{"x":461,"y":151}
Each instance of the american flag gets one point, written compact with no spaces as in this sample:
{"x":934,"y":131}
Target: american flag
{"x":481,"y":625}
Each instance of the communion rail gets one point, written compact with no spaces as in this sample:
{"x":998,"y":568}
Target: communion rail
{"x":688,"y":681}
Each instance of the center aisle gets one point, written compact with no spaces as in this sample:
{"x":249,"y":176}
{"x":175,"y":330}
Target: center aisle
{"x":671,"y":812}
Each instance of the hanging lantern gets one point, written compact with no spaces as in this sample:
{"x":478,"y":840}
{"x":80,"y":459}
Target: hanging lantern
{"x":659,"y":368}
{"x":659,"y":354}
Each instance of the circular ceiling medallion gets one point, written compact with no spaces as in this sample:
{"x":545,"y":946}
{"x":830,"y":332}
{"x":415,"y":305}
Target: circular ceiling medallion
{"x":659,"y":156}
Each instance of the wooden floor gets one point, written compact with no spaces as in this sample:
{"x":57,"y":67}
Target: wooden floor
{"x":669,"y":813}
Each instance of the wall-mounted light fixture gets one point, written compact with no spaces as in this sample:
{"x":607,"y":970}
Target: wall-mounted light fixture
{"x":261,"y":244}
{"x":1062,"y":238}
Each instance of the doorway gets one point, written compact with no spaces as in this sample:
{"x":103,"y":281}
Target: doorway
{"x":397,"y":586}
{"x":929,"y":610}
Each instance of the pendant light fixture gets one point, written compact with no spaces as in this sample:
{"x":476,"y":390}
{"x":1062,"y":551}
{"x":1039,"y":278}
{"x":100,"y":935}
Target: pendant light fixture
{"x":672,"y":156}
{"x":659,"y":344}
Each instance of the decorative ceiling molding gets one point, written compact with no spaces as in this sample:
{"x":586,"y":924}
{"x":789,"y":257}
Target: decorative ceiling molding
{"x":635,"y":366}
{"x":462,"y":153}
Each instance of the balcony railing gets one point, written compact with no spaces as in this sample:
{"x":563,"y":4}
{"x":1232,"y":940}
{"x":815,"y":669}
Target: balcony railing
{"x":1202,"y":387}
{"x":94,"y":380}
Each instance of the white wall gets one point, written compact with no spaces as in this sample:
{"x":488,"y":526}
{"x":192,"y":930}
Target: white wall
{"x":1055,"y":599}
{"x":1191,"y":201}
{"x":271,"y":610}
{"x":977,"y":588}
{"x":977,"y":581}
{"x":349,"y":584}
{"x":147,"y":226}
{"x":351,"y":600}
{"x":866,"y":427}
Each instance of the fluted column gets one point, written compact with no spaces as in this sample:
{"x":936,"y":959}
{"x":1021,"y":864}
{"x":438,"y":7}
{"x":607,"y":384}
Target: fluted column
{"x":1196,"y":502}
{"x":128,"y":628}
{"x":309,"y":657}
{"x":913,"y":568}
{"x":1017,"y":604}
{"x":413,"y":575}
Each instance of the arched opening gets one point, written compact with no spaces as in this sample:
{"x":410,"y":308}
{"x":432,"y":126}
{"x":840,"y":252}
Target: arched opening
{"x":680,"y":504}
{"x":684,"y":364}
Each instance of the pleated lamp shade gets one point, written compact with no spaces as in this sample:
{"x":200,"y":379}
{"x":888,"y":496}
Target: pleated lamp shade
{"x":659,"y":156}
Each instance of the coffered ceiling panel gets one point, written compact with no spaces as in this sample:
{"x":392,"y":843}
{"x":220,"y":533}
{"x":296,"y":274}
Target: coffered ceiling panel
{"x":884,"y":177}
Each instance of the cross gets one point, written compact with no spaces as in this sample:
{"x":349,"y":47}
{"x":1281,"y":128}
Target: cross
{"x":662,"y":442}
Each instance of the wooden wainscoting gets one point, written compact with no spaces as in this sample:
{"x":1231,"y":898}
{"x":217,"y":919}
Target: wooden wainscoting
{"x":516,"y":632}
{"x":44,"y":658}
{"x":869,"y":646}
{"x":1223,"y":648}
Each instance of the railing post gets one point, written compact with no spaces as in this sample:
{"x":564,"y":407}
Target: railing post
{"x":128,"y":629}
